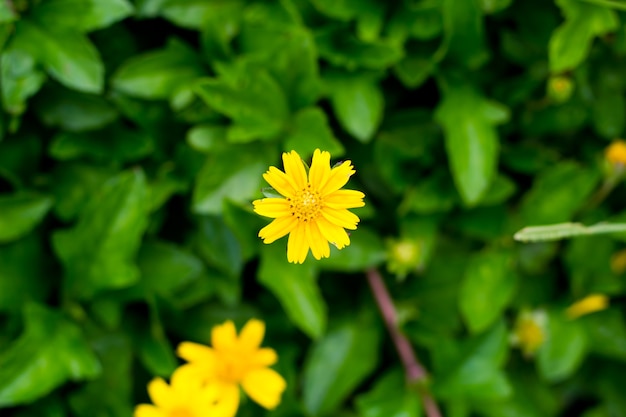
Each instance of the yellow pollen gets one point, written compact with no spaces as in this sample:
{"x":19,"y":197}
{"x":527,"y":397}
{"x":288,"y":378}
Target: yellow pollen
{"x":306,"y":205}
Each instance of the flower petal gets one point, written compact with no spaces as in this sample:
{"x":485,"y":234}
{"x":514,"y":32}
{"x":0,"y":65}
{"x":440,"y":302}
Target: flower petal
{"x":148,"y":410}
{"x":264,"y":386}
{"x":294,"y":168}
{"x":272,"y":207}
{"x":224,"y":336}
{"x":335,"y":234}
{"x":342,"y":218}
{"x":339,"y":176}
{"x":344,"y":199}
{"x":320,"y":169}
{"x":251,"y":335}
{"x":317,"y":242}
{"x":297,"y":247}
{"x":280,"y":182}
{"x":160,"y":393}
{"x":229,"y":401}
{"x":278,"y":228}
{"x":195,"y":352}
{"x":264,"y":357}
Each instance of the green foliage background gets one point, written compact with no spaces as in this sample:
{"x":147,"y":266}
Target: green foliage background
{"x":134,"y":136}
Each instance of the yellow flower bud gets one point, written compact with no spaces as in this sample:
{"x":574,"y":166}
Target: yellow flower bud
{"x":589,"y":304}
{"x":529,"y":332}
{"x":560,"y":88}
{"x":616,"y":152}
{"x":404,"y":256}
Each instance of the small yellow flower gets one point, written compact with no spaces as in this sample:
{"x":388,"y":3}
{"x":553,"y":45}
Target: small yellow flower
{"x":560,"y":88}
{"x":314,"y":210}
{"x":236,"y":360}
{"x":589,"y":304}
{"x":529,"y":332}
{"x":184,"y":397}
{"x":616,"y":152}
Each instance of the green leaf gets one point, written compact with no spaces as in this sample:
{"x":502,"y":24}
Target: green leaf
{"x":111,"y":393}
{"x":165,"y":267}
{"x":358,"y":103}
{"x":207,"y":138}
{"x":7,"y":14}
{"x":74,"y":111}
{"x":196,"y":14}
{"x":465,"y":33}
{"x":488,"y":286}
{"x":296,"y":288}
{"x":549,"y":201}
{"x":81,"y":15}
{"x":158,"y":74}
{"x":20,"y":80}
{"x":218,"y":246}
{"x":49,"y":352}
{"x":337,"y":364}
{"x":21,"y":213}
{"x":390,"y":397}
{"x":230,"y":173}
{"x":68,"y":56}
{"x":251,"y":98}
{"x":606,"y":333}
{"x":564,"y":349}
{"x":571,"y":42}
{"x":22,"y":273}
{"x":474,"y":368}
{"x":565,"y":230}
{"x":472,"y":142}
{"x":311,"y":131}
{"x":99,"y":251}
{"x":366,"y":249}
{"x":607,"y":110}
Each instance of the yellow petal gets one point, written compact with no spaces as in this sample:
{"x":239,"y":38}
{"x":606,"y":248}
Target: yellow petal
{"x":264,"y":357}
{"x":224,"y":336}
{"x":294,"y":168}
{"x":589,"y":304}
{"x":333,"y":233}
{"x":317,"y":242}
{"x":228,"y":401}
{"x":342,"y":218}
{"x":320,"y":169}
{"x":147,"y":410}
{"x":272,"y":207}
{"x":280,"y":182}
{"x":186,"y":381}
{"x":264,"y":386}
{"x":339,"y":176}
{"x":251,"y":335}
{"x":297,"y":247}
{"x":160,"y":393}
{"x":278,"y":228}
{"x":345,"y":199}
{"x":195,"y":352}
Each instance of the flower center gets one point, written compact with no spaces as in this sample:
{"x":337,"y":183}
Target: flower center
{"x":180,"y":412}
{"x":231,"y":368}
{"x":306,"y":205}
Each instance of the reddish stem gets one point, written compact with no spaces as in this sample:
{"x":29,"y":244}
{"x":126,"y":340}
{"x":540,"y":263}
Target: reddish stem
{"x":414,"y":371}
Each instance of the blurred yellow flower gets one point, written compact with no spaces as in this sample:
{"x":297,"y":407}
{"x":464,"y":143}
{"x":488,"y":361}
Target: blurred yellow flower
{"x":314,"y":210}
{"x":529,"y":332}
{"x":236,"y":360}
{"x":618,"y":262}
{"x":589,"y":304}
{"x":616,"y":152}
{"x":184,"y":397}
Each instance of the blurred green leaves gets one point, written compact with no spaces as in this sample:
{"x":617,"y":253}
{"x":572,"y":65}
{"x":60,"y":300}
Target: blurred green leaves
{"x":49,"y":352}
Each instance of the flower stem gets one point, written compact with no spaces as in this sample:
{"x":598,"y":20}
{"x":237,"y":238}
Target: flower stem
{"x":415,"y":373}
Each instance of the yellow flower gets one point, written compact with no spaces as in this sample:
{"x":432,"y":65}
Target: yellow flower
{"x":589,"y":304}
{"x":314,"y":210}
{"x":236,"y":360}
{"x":184,"y":397}
{"x":530,"y":331}
{"x":616,"y":152}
